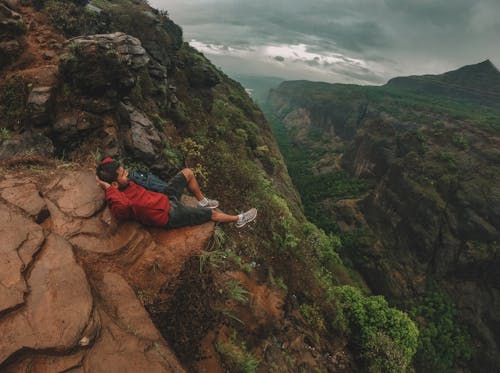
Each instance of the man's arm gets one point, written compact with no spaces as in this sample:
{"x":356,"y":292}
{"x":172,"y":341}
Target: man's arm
{"x":118,"y":203}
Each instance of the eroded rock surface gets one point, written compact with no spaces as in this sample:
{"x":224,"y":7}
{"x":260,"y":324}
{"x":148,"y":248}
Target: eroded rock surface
{"x":20,"y":239}
{"x":67,"y":299}
{"x":58,"y":306}
{"x":141,"y":347}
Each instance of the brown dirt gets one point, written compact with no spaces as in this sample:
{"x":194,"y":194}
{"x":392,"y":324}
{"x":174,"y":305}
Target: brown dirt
{"x":38,"y":64}
{"x":188,"y":315}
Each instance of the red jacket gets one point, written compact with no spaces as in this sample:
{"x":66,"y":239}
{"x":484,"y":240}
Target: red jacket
{"x":136,"y":203}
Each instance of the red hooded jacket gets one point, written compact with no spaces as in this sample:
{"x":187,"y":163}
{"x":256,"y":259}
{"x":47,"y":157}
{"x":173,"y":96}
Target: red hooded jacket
{"x":136,"y":203}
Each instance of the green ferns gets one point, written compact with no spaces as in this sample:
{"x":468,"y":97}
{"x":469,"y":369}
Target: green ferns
{"x":387,"y":338}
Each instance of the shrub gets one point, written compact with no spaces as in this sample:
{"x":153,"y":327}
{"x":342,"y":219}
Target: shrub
{"x":441,"y":342}
{"x":387,"y":338}
{"x":5,"y":134}
{"x":312,"y":316}
{"x":74,"y":20}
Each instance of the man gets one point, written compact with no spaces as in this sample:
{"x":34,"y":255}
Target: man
{"x":130,"y":201}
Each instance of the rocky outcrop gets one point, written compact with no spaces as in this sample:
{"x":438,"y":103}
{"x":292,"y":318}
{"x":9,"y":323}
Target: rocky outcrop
{"x":98,"y":63}
{"x":68,"y":271}
{"x":142,"y":139}
{"x":40,"y":105}
{"x":26,"y":144}
{"x":11,"y":29}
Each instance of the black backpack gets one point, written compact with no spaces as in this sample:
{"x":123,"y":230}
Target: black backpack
{"x":148,"y":181}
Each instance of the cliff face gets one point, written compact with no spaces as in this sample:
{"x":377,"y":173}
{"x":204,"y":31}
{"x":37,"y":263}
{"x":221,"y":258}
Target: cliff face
{"x":81,"y":291}
{"x":429,"y":149}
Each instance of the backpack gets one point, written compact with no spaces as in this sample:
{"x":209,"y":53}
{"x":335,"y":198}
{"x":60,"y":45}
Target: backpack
{"x":148,"y":181}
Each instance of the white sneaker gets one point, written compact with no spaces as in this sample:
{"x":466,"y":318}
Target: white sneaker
{"x":210,"y":203}
{"x":246,"y":217}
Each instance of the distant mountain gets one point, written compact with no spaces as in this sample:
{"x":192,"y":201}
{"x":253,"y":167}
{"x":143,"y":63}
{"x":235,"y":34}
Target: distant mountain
{"x":258,"y":86}
{"x":479,"y":82}
{"x":406,"y":175}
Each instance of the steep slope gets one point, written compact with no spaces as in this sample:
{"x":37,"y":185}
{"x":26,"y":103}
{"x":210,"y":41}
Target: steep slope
{"x":406,"y":174}
{"x":80,"y":80}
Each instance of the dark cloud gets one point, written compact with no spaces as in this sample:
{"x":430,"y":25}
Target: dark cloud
{"x":390,"y":37}
{"x":279,"y":58}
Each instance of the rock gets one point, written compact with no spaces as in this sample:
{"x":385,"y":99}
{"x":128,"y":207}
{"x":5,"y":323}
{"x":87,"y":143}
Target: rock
{"x":12,"y":4}
{"x":141,"y":347}
{"x":47,"y":363}
{"x":40,"y":105}
{"x":142,"y":256}
{"x":102,"y":62}
{"x":11,"y":23}
{"x":72,"y":126}
{"x":77,"y":195}
{"x":141,"y":138}
{"x":158,"y":71}
{"x":28,"y":143}
{"x":48,"y":55}
{"x":203,"y":75}
{"x":20,"y":239}
{"x":9,"y":51}
{"x":27,"y":197}
{"x":49,"y":321}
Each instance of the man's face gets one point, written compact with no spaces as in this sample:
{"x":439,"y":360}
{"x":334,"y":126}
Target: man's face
{"x":122,"y":178}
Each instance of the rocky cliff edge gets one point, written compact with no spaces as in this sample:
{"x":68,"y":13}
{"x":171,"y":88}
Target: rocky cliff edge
{"x":70,"y":274}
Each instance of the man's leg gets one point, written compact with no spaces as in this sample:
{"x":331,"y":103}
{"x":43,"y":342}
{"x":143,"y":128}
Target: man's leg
{"x":222,"y":217}
{"x":194,"y":187}
{"x":240,"y":220}
{"x":181,"y":215}
{"x":192,"y":184}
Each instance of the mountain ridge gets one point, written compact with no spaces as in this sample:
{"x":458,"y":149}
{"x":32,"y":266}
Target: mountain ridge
{"x":406,"y":174}
{"x":476,"y":81}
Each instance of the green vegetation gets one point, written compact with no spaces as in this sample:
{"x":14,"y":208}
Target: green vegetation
{"x":442,"y":342}
{"x":387,"y":338}
{"x":312,"y":316}
{"x":235,"y":356}
{"x":13,"y":97}
{"x":235,"y":291}
{"x":314,"y":189}
{"x":5,"y":133}
{"x":433,"y":157}
{"x":74,"y":20}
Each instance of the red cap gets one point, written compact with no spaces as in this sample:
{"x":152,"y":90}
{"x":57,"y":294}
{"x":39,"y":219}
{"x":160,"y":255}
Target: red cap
{"x":107,"y":160}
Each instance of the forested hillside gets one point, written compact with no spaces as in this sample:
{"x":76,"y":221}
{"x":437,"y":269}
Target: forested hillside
{"x":406,"y":175}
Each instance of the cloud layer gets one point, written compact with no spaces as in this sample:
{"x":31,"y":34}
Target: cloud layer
{"x":353,"y":41}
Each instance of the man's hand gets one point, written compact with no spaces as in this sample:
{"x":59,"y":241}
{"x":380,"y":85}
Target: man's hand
{"x":104,"y":185}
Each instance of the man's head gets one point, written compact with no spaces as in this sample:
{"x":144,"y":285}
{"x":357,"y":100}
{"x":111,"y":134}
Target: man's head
{"x":112,"y":172}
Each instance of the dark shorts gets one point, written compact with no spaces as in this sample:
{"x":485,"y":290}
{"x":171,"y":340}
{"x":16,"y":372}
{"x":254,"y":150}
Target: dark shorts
{"x":180,"y":215}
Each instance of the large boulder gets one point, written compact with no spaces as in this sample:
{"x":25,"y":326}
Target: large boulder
{"x":25,"y":195}
{"x":58,"y":307}
{"x":40,"y":105}
{"x":21,"y":239}
{"x":142,"y":138}
{"x":141,"y":348}
{"x":67,"y":298}
{"x":100,"y":63}
{"x":26,"y":144}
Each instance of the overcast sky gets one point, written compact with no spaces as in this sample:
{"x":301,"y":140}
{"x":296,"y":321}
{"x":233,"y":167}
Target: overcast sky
{"x":347,"y":41}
